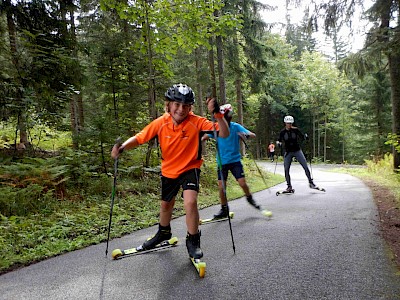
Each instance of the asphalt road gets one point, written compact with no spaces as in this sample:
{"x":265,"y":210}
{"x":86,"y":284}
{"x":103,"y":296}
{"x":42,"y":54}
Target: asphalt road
{"x":316,"y":246}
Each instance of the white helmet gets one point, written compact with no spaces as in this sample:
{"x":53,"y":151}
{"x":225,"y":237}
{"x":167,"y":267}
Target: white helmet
{"x":288,"y":119}
{"x":226,"y":109}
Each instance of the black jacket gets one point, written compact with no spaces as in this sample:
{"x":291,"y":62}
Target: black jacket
{"x":291,"y":139}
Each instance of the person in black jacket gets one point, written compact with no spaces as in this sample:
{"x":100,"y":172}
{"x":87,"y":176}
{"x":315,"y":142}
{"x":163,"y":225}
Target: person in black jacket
{"x":289,"y":137}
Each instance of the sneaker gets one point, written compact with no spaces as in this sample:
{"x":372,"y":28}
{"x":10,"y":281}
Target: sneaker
{"x":312,"y":185}
{"x":193,"y":245}
{"x":223,"y":213}
{"x":252,"y":202}
{"x":163,"y":234}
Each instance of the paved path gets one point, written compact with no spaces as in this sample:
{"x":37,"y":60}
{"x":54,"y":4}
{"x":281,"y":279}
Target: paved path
{"x":316,"y":246}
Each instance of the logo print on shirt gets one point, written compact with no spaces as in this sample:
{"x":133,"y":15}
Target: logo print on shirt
{"x":184,"y":135}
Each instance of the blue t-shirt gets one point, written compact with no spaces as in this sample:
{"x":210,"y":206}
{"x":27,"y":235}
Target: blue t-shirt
{"x":229,"y":147}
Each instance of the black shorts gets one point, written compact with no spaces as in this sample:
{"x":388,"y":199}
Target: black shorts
{"x":190,"y":180}
{"x":236,"y":169}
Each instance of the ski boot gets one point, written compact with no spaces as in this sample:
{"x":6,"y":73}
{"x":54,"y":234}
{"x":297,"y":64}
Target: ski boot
{"x":312,"y":185}
{"x":252,"y":202}
{"x":223,"y":213}
{"x":289,"y":189}
{"x":163,"y":234}
{"x":193,"y":245}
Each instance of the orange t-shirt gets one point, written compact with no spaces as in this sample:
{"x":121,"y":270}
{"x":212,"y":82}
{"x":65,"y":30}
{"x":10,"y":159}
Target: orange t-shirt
{"x":180,"y":145}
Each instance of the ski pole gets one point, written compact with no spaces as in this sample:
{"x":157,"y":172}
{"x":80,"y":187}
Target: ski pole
{"x":258,"y":169}
{"x":311,"y":168}
{"x":276,"y":163}
{"x":118,"y":142}
{"x":223,"y":181}
{"x":306,"y":139}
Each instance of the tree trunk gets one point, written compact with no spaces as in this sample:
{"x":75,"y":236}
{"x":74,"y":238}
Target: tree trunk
{"x":76,"y":125}
{"x":394,"y":66}
{"x":378,"y":113}
{"x":77,"y":70}
{"x":151,"y":87}
{"x":12,"y":35}
{"x":200,"y":102}
{"x":221,"y":71}
{"x":325,"y":136}
{"x":238,"y":80}
{"x":394,"y":70}
{"x":76,"y":105}
{"x":314,"y":135}
{"x":212,"y":69}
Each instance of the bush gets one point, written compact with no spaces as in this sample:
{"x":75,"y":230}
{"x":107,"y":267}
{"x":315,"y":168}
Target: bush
{"x":30,"y":185}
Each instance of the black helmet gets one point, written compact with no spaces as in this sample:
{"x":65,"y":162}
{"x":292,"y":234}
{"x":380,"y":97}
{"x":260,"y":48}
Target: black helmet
{"x":180,"y":93}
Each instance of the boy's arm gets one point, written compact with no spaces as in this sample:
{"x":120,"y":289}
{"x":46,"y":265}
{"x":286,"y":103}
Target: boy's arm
{"x":128,"y":144}
{"x":143,"y":136}
{"x":213,"y":108}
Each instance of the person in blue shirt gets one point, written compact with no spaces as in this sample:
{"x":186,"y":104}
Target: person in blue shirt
{"x":229,"y":153}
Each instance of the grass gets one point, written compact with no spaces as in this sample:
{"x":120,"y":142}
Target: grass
{"x":41,"y":137}
{"x":81,"y":221}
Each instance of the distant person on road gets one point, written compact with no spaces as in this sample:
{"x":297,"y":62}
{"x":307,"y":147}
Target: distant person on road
{"x":271,"y":151}
{"x":229,"y":153}
{"x":289,"y":137}
{"x":179,"y":132}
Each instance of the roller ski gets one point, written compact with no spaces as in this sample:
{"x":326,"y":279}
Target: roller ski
{"x":264,"y":212}
{"x":118,"y":253}
{"x":216,"y":219}
{"x":289,"y":190}
{"x":314,"y":187}
{"x":195,"y":253}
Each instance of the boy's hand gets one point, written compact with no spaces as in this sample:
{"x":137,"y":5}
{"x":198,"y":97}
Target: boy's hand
{"x":243,"y":136}
{"x":212,"y":105}
{"x":117,"y":149}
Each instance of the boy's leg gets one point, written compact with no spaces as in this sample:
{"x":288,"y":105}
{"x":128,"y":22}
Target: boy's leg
{"x":191,"y":209}
{"x":190,"y":184}
{"x":243,"y":184}
{"x":238,"y":173}
{"x":223,"y":212}
{"x":169,"y":189}
{"x":222,"y":196}
{"x":166,"y":209}
{"x":164,"y":227}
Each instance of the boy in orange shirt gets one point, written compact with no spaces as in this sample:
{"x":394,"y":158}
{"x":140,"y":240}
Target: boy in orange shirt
{"x":179,"y":132}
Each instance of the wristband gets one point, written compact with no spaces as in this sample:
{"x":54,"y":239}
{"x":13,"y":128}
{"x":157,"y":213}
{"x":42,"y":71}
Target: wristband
{"x":121,"y":149}
{"x":218,"y":115}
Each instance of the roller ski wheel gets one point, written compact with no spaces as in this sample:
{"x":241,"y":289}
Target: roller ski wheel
{"x":213,"y":220}
{"x":266,"y":213}
{"x":199,"y":265}
{"x":118,"y":253}
{"x":285,"y":192}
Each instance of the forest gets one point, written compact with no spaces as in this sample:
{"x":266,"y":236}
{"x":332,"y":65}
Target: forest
{"x":77,"y":74}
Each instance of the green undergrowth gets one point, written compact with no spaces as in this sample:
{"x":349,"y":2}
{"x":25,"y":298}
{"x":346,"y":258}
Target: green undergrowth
{"x":82,"y":219}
